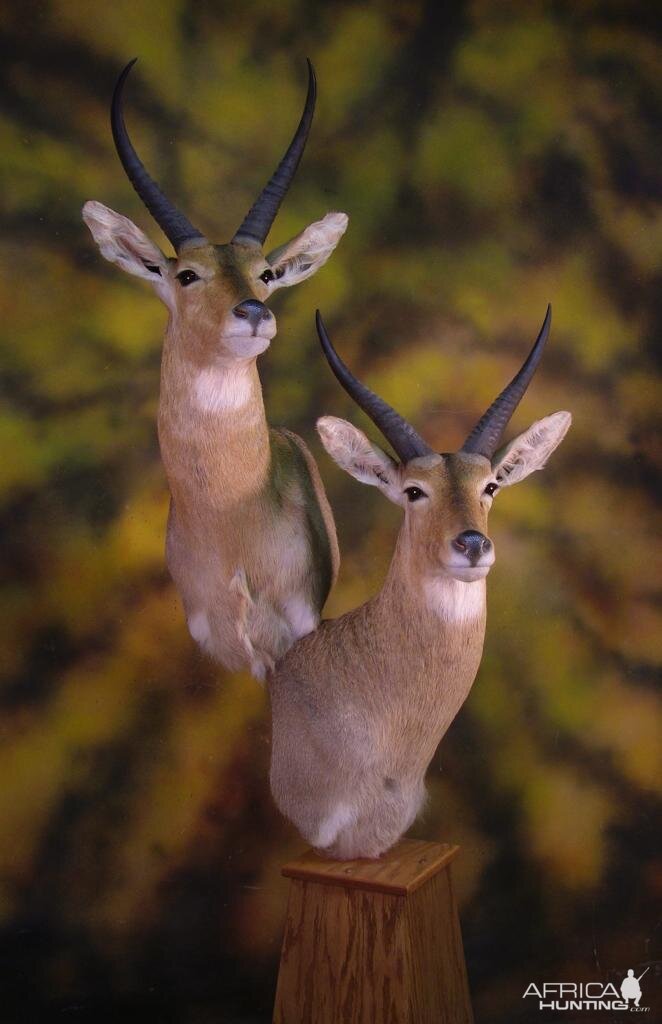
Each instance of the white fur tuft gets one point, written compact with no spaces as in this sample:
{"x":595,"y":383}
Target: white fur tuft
{"x":302,"y":618}
{"x":340,"y":818}
{"x":455,"y":601}
{"x":217,"y":390}
{"x":198,"y":627}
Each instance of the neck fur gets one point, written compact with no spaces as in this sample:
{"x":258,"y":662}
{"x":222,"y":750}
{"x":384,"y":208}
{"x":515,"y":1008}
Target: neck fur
{"x":213,"y":429}
{"x":223,"y":395}
{"x":454,"y":601}
{"x":231,"y":389}
{"x":448,"y":599}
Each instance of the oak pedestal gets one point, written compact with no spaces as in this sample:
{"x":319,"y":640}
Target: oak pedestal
{"x":373,"y":942}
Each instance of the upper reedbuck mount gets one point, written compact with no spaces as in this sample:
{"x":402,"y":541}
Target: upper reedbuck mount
{"x":360,"y":705}
{"x":251,"y":542}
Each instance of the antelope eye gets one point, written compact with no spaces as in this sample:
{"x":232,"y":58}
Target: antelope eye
{"x":491,"y":489}
{"x":415,"y":493}
{"x":267,"y":276}
{"x":186,"y":277}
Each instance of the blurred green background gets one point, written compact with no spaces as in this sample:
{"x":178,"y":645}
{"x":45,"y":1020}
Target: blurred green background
{"x":492,"y":157}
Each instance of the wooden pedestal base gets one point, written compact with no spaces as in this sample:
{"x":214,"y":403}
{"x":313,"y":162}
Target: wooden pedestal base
{"x":373,"y":942}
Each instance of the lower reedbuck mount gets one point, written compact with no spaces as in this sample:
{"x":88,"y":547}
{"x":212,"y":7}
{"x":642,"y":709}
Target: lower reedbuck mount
{"x":360,"y":705}
{"x":251,"y":542}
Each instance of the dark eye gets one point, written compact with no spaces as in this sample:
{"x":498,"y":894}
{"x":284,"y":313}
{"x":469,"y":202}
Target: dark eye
{"x":491,"y":489}
{"x":415,"y":493}
{"x":186,"y":277}
{"x":267,"y":276}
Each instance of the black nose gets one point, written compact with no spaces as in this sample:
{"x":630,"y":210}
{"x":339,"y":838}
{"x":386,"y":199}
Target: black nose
{"x":253,"y":311}
{"x":472,"y":544}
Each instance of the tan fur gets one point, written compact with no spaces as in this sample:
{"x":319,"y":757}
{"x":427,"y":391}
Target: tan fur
{"x":251,"y":542}
{"x":360,"y":705}
{"x":241,"y":502}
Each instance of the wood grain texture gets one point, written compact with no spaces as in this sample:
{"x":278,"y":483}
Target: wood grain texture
{"x":405,"y":867}
{"x":355,"y":952}
{"x":437,"y":974}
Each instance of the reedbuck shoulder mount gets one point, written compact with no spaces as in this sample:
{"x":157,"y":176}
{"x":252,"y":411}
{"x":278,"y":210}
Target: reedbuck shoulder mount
{"x":360,"y":705}
{"x":251,"y":542}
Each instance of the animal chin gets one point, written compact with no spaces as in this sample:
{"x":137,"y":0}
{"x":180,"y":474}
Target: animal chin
{"x":247,"y":344}
{"x":468,"y":573}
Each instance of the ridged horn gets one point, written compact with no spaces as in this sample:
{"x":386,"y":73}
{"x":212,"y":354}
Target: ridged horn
{"x":173,"y":223}
{"x":257,"y":222}
{"x":484,"y":438}
{"x":402,"y":437}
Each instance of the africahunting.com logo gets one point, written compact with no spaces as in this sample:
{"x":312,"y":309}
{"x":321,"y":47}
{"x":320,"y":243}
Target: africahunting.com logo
{"x":590,"y":995}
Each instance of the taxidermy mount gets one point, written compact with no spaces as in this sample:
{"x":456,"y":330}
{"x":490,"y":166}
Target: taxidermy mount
{"x":360,"y":705}
{"x":251,"y":543}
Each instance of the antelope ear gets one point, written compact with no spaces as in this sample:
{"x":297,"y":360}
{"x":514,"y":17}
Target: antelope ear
{"x":531,"y":449}
{"x":121,"y":242}
{"x":354,"y":453}
{"x":308,"y":251}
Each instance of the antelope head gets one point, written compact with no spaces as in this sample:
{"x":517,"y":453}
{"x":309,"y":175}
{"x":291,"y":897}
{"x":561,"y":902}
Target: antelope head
{"x":446,"y":497}
{"x":216,"y":294}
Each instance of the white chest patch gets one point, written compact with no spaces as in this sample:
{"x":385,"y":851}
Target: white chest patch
{"x":454,"y":601}
{"x":218,"y":390}
{"x":341,"y":816}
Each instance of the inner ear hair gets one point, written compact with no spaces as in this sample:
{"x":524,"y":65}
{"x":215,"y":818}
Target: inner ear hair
{"x":530,"y":451}
{"x":369,"y":467}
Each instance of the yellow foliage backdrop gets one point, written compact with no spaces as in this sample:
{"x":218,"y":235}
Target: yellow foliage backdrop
{"x":492,"y":157}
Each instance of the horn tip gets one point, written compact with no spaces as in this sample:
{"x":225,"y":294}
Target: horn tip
{"x":321,"y":331}
{"x":546,"y":324}
{"x":312,"y":81}
{"x":127,"y":67}
{"x":119,"y":85}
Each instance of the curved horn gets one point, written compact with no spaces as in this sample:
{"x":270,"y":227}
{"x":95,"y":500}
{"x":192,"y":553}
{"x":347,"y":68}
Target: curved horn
{"x":173,"y":223}
{"x":257,"y":222}
{"x":485,"y":436}
{"x":401,"y":435}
